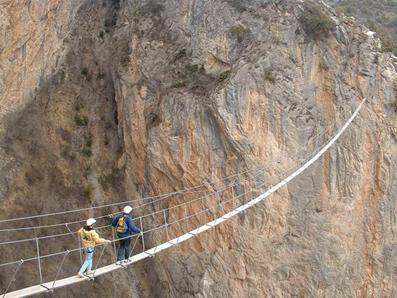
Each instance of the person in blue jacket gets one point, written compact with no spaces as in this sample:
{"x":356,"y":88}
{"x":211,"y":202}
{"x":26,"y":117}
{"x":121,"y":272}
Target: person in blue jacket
{"x":125,"y":227}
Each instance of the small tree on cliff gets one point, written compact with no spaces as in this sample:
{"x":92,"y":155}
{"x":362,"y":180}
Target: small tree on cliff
{"x":314,"y":22}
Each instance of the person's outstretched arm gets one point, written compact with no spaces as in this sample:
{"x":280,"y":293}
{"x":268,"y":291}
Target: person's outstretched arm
{"x":97,"y":239}
{"x":132,"y":227}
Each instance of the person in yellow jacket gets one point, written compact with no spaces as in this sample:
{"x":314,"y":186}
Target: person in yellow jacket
{"x":89,"y":238}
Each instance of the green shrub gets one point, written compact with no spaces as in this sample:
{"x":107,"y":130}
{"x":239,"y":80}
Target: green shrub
{"x":224,"y":75}
{"x":179,"y":84}
{"x":67,"y":153}
{"x":151,"y":8}
{"x":116,"y":4}
{"x":87,"y":192}
{"x":100,"y":75}
{"x":84,"y":71}
{"x":238,"y":5}
{"x":88,"y":141}
{"x":109,"y":23}
{"x":86,"y":152}
{"x":268,"y":75}
{"x":106,"y":140}
{"x":190,"y":75}
{"x":240,"y":32}
{"x":81,"y":120}
{"x":180,"y":55}
{"x":78,"y":106}
{"x":192,"y":68}
{"x":314,"y":22}
{"x":388,"y":45}
{"x":323,"y":64}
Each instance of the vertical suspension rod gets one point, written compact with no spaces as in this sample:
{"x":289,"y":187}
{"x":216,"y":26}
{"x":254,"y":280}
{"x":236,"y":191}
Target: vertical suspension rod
{"x":143,"y":238}
{"x":59,"y":269}
{"x":38,"y":260}
{"x":166,"y":225}
{"x":13,"y":278}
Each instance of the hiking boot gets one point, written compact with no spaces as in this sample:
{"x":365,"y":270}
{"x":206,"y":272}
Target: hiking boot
{"x":80,"y":275}
{"x":119,"y":262}
{"x":125,"y":261}
{"x":90,"y":272}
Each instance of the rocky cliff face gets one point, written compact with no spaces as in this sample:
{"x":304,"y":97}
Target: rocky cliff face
{"x":104,"y":101}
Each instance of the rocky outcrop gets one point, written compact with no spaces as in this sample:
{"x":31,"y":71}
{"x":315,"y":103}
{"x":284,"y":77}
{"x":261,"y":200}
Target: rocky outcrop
{"x":133,"y":98}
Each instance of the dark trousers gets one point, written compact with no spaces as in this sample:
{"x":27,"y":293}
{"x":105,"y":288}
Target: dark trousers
{"x":124,"y":250}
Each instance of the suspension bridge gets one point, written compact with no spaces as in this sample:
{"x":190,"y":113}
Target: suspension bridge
{"x":210,"y":208}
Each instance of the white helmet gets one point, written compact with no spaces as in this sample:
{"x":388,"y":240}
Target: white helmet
{"x":127,"y":209}
{"x":90,"y":221}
